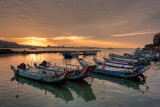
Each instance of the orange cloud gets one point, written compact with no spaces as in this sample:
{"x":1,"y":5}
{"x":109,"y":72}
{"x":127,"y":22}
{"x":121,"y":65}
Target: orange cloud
{"x":131,"y":34}
{"x":68,"y":38}
{"x":67,"y":41}
{"x":35,"y":41}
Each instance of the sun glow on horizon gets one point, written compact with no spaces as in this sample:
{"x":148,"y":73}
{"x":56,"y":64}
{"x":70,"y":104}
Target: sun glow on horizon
{"x":68,"y":41}
{"x":35,"y":41}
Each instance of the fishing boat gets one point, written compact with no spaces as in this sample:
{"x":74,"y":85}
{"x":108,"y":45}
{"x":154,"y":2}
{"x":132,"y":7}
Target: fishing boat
{"x":117,"y":62}
{"x":70,"y":54}
{"x":40,"y":75}
{"x":124,"y":56}
{"x":111,"y":65}
{"x":121,"y":58}
{"x":152,"y":57}
{"x":122,"y":74}
{"x":110,"y":48}
{"x":77,"y":73}
{"x":32,"y":48}
{"x":143,"y":61}
{"x":89,"y":53}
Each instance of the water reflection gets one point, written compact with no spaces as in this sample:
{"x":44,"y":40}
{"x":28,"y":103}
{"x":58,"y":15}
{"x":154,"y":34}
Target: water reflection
{"x":56,"y":89}
{"x":82,"y":89}
{"x":134,"y":84}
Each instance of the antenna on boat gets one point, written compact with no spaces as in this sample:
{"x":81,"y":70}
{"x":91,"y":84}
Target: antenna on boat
{"x":76,"y":64}
{"x":31,"y":61}
{"x":66,"y":63}
{"x":40,"y":57}
{"x":105,"y":52}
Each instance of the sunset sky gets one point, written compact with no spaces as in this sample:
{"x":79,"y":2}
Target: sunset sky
{"x":100,"y":23}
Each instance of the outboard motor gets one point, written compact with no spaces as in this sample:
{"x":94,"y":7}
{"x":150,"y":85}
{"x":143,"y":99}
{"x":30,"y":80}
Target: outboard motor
{"x":35,"y":64}
{"x":148,"y":61}
{"x":155,"y":58}
{"x":44,"y":63}
{"x":22,"y":66}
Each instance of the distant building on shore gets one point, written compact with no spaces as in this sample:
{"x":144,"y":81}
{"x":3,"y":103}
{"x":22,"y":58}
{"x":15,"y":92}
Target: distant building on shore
{"x":156,"y":39}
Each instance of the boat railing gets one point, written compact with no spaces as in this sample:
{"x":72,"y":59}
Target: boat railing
{"x":68,"y":66}
{"x":71,"y":65}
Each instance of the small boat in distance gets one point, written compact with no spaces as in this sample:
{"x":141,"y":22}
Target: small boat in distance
{"x":110,"y":48}
{"x":89,"y":53}
{"x":70,"y":54}
{"x":32,"y":48}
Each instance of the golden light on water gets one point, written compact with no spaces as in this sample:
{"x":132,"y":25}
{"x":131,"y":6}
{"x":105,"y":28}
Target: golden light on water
{"x":36,"y":58}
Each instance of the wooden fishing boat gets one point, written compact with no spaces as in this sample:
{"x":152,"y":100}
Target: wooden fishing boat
{"x":140,"y":62}
{"x":41,"y":75}
{"x":111,"y":65}
{"x":120,"y":68}
{"x":89,"y":53}
{"x":117,"y":62}
{"x":125,"y":56}
{"x":70,"y":54}
{"x":121,"y":74}
{"x":77,"y":73}
{"x":122,"y":59}
{"x":152,"y":57}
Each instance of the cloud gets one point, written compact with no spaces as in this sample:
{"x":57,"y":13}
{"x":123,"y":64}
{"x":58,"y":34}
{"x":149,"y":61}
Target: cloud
{"x":132,"y":34}
{"x":68,"y":38}
{"x":98,"y":20}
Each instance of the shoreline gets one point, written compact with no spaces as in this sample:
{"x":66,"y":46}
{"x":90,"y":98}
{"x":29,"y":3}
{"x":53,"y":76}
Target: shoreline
{"x":9,"y":51}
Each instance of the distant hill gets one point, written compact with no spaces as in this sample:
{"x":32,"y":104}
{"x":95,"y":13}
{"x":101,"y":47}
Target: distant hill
{"x":6,"y":44}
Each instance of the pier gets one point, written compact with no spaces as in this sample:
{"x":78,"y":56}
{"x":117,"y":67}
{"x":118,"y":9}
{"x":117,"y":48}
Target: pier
{"x":81,"y":52}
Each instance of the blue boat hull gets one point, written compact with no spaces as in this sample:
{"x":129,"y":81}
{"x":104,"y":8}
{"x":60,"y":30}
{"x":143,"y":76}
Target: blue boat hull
{"x":121,"y":74}
{"x":39,"y":77}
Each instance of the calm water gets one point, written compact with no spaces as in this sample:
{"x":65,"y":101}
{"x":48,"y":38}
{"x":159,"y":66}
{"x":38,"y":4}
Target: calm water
{"x":101,"y":91}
